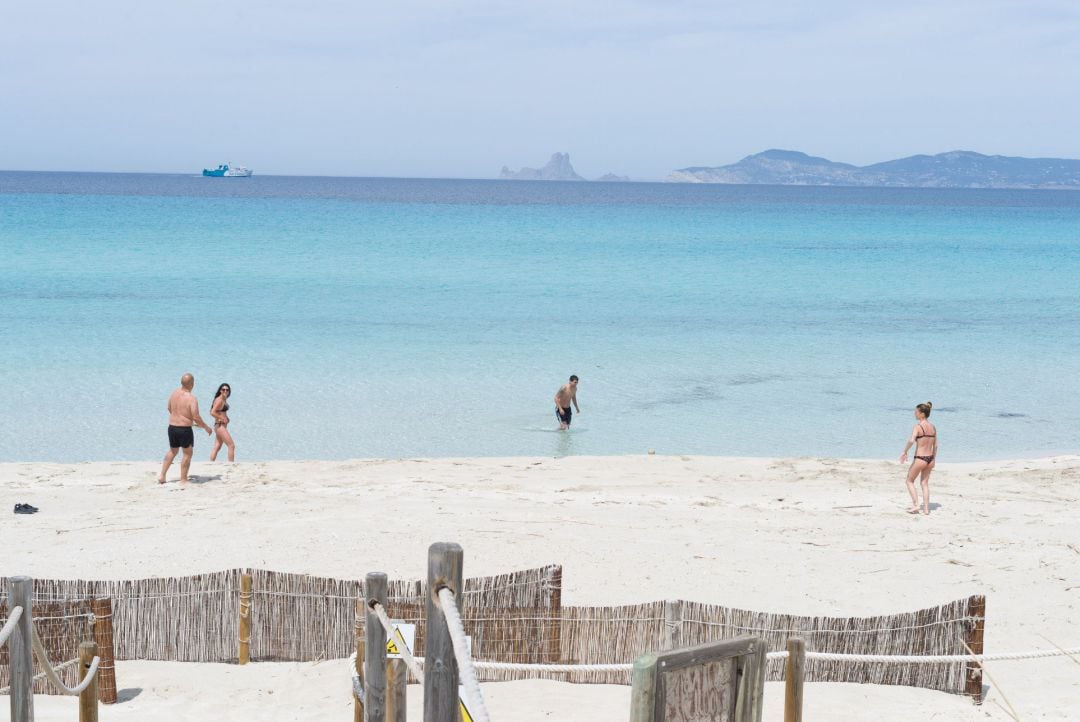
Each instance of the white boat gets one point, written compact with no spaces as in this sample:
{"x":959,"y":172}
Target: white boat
{"x":228,"y":171}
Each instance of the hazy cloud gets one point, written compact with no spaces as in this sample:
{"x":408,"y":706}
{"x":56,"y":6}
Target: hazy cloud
{"x":459,"y":89}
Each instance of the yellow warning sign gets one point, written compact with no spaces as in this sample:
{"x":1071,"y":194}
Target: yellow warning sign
{"x":403,"y":638}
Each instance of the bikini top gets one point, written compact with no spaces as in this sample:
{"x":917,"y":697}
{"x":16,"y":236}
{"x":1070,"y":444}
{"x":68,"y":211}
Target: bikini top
{"x":924,"y":434}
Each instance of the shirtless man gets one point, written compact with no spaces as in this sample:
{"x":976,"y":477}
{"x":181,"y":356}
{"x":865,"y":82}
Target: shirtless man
{"x":563,"y":397}
{"x":183,"y":414}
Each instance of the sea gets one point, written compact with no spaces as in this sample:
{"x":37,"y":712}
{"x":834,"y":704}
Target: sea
{"x":387,"y":318}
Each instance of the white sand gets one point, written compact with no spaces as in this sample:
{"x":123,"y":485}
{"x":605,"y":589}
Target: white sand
{"x":807,"y":536}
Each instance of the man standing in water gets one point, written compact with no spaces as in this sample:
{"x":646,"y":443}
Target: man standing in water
{"x":183,"y":414}
{"x":563,"y":397}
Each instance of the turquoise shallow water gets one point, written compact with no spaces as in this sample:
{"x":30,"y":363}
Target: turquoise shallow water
{"x":386,"y":318}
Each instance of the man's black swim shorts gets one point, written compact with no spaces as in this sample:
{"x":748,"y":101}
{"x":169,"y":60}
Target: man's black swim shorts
{"x":181,"y":437}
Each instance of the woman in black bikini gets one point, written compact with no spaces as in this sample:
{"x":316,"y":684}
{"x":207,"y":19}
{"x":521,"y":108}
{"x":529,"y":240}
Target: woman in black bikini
{"x":924,"y":438}
{"x":219,"y":409}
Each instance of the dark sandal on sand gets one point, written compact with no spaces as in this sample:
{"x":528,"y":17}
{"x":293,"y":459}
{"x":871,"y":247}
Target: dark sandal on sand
{"x":25,"y":509}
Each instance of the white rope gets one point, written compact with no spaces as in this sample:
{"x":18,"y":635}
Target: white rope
{"x":461,"y":652}
{"x":88,"y":616}
{"x":394,"y":634}
{"x":9,"y":625}
{"x":518,"y":667}
{"x":418,"y":597}
{"x":49,"y":599}
{"x":941,"y":658}
{"x":873,"y":630}
{"x":304,"y":595}
{"x":138,"y":597}
{"x":41,"y":675}
{"x":50,"y":671}
{"x":357,"y":685}
{"x":826,"y":656}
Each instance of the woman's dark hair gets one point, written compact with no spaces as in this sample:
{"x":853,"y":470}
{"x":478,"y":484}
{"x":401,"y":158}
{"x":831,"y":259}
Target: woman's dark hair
{"x":219,"y":389}
{"x":925,"y":408}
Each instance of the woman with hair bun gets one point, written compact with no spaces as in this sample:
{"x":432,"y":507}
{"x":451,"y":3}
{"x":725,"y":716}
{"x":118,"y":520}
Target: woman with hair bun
{"x":924,"y":438}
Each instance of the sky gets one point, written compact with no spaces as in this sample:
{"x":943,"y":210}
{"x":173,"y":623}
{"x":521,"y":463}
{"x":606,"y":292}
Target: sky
{"x":459,"y":89}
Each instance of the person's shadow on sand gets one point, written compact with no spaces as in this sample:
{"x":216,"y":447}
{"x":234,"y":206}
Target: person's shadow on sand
{"x":195,"y":479}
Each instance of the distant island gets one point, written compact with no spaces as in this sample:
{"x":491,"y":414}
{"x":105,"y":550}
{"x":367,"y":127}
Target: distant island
{"x":557,"y":169}
{"x":956,"y":169}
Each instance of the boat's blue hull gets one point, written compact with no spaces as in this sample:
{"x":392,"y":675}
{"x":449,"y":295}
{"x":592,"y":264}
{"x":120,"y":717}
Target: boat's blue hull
{"x":227,"y":171}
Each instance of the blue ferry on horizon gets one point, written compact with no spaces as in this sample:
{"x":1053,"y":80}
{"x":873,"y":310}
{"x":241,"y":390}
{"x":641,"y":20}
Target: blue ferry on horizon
{"x":227,"y":171}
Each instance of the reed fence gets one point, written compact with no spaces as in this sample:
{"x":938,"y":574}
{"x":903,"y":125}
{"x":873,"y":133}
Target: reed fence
{"x":180,"y":619}
{"x":515,"y":617}
{"x":294,"y":617}
{"x":611,"y":635}
{"x":61,"y":627}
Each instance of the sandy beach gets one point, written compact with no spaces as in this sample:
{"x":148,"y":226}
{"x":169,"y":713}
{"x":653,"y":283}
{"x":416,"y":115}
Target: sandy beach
{"x":806,"y":536}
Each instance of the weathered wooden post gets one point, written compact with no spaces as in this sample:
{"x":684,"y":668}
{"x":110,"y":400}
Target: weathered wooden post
{"x":793,"y":680}
{"x":397,"y":677}
{"x":88,"y":698}
{"x":751,"y":696}
{"x":20,"y":650}
{"x":244,"y":655}
{"x":359,"y":614}
{"x":375,"y":656}
{"x":102,"y":610}
{"x":554,"y":651}
{"x":643,"y":689}
{"x":358,"y":706}
{"x":440,"y":667}
{"x":672,"y":624}
{"x":973,"y":684}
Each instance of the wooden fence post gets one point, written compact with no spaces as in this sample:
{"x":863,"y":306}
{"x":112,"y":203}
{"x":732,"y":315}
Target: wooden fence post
{"x":397,"y":677}
{"x":793,"y":680}
{"x":643,"y":689}
{"x":88,"y":698}
{"x":976,"y":609}
{"x":20,"y":650}
{"x":751,"y":695}
{"x":358,"y":706}
{"x":554,"y":651}
{"x":358,"y":664}
{"x":245,"y":619}
{"x":375,"y":657}
{"x":440,"y":667}
{"x":672,"y":624}
{"x":102,"y":610}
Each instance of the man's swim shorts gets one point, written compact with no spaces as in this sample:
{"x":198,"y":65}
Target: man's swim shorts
{"x":181,"y":437}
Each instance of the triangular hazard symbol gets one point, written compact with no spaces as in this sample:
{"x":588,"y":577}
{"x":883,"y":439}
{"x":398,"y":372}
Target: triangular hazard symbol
{"x":465,"y":716}
{"x":391,"y":647}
